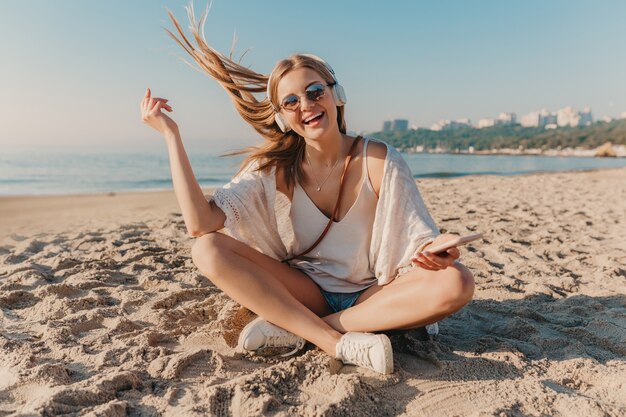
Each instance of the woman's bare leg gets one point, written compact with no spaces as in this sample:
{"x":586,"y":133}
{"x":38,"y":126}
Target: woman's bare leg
{"x":415,"y":299}
{"x":271,"y":289}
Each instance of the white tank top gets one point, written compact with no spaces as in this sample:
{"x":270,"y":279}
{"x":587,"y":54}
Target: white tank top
{"x":340,"y":263}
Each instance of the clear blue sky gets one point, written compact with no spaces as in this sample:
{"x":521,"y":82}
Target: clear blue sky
{"x":73,"y":72}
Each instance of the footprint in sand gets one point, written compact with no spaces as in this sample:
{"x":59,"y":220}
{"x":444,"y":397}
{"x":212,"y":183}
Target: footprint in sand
{"x":201,"y":363}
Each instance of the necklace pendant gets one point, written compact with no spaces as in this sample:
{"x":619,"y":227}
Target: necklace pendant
{"x":318,"y":188}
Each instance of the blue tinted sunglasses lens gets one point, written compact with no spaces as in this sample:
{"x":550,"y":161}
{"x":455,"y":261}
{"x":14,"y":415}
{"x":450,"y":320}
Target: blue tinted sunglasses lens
{"x":315,"y":92}
{"x":291,"y":102}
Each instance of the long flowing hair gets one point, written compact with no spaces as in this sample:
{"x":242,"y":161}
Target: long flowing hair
{"x":280,"y":149}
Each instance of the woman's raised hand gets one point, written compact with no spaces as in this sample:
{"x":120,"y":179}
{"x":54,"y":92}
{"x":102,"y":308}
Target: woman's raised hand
{"x":152,"y":116}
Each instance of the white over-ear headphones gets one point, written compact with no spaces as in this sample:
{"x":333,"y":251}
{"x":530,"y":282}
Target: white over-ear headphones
{"x":339,"y":95}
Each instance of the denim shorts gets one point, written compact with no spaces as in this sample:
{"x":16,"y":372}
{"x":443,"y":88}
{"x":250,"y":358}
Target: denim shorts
{"x":339,"y":300}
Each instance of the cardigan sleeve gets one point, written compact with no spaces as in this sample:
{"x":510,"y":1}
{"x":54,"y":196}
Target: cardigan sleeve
{"x":402,"y":224}
{"x":248,"y":203}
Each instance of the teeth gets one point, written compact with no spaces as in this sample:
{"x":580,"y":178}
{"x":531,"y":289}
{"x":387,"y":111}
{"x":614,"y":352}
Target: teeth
{"x":312,"y":117}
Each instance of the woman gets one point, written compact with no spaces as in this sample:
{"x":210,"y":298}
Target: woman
{"x":370,"y":272}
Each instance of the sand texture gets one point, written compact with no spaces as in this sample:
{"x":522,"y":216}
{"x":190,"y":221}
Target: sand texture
{"x":103,"y":313}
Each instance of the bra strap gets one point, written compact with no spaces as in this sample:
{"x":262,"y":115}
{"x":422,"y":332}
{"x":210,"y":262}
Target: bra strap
{"x":337,"y":204}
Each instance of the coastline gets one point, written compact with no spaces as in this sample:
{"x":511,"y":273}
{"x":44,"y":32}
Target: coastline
{"x":569,"y":153}
{"x":103,"y":312}
{"x":10,"y":197}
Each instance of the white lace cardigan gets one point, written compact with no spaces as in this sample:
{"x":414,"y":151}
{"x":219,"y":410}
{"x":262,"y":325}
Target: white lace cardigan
{"x":258,"y":215}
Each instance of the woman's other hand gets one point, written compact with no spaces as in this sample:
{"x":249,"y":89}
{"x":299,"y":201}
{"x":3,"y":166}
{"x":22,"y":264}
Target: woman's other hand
{"x":443,"y":260}
{"x":152,"y":116}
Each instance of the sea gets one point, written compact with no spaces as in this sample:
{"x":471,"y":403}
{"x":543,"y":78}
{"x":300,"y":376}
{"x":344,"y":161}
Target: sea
{"x":84,"y":172}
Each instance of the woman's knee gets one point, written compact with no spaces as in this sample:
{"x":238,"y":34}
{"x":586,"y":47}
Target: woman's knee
{"x":207,"y":250}
{"x":457,"y":287}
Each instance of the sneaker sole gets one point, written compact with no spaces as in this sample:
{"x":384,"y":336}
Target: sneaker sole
{"x":388,"y":353}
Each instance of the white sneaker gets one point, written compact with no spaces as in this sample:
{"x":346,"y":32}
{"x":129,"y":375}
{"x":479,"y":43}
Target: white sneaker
{"x":260,"y":333}
{"x":368,"y":350}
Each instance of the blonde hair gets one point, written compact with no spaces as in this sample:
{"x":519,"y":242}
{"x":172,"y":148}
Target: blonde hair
{"x":280,"y":149}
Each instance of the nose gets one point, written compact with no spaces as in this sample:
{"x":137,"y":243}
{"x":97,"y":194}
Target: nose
{"x":305,"y":103}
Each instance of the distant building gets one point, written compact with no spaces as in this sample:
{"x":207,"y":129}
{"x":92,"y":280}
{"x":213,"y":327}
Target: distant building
{"x":440,"y":125}
{"x":450,"y":125}
{"x":400,"y":125}
{"x":504,"y":118}
{"x":572,"y":117}
{"x":531,"y":119}
{"x":567,"y":117}
{"x":623,"y":115}
{"x":586,"y":117}
{"x":486,"y":123}
{"x":548,"y":118}
{"x":607,"y":119}
{"x":507,"y":118}
{"x":539,"y":118}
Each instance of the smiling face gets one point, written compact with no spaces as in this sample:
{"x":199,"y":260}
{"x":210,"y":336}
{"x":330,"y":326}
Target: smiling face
{"x":312,"y":119}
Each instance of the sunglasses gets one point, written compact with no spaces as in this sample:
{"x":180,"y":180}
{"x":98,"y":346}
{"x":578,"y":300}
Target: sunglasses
{"x":314,"y":92}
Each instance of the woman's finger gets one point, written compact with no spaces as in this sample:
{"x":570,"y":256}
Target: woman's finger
{"x":159,"y":100}
{"x":157,"y":108}
{"x":146,"y":97}
{"x":432,"y":258}
{"x":446,"y":262}
{"x":425,"y":259}
{"x":441,"y":262}
{"x":419,"y":263}
{"x":454,"y":253}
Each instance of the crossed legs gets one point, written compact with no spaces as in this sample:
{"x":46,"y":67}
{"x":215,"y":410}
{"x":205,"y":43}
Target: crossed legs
{"x":290,"y":299}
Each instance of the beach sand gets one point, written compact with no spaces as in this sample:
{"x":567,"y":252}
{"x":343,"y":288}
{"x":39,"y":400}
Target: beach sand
{"x":104,"y":314}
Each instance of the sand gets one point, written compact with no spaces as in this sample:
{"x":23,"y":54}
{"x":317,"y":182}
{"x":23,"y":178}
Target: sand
{"x":104,"y":314}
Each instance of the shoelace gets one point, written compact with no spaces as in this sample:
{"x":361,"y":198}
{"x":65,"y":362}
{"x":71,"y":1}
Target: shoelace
{"x":356,"y":353}
{"x":284,"y":339}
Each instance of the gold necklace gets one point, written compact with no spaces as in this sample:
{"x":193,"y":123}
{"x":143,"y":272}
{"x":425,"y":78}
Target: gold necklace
{"x":319,"y":186}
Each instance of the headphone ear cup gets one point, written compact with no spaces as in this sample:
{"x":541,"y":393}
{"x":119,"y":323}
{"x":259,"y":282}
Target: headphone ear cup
{"x":282,"y":124}
{"x":339,"y":95}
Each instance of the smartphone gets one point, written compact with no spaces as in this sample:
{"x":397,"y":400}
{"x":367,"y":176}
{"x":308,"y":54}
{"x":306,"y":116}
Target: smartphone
{"x":461,"y":240}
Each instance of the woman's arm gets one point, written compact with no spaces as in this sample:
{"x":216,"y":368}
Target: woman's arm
{"x":200,"y":216}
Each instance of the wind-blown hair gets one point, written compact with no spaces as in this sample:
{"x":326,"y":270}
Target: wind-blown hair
{"x":280,"y":149}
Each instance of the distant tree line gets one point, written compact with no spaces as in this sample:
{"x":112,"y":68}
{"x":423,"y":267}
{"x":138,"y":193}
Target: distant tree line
{"x":511,"y":136}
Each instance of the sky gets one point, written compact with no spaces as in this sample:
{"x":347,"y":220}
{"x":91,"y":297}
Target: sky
{"x":72,"y":73}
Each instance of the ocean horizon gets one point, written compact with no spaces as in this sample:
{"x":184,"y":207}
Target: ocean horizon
{"x":96,"y":171}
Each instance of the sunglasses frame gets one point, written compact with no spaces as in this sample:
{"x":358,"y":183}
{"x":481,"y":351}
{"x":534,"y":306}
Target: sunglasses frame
{"x":299,"y":96}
